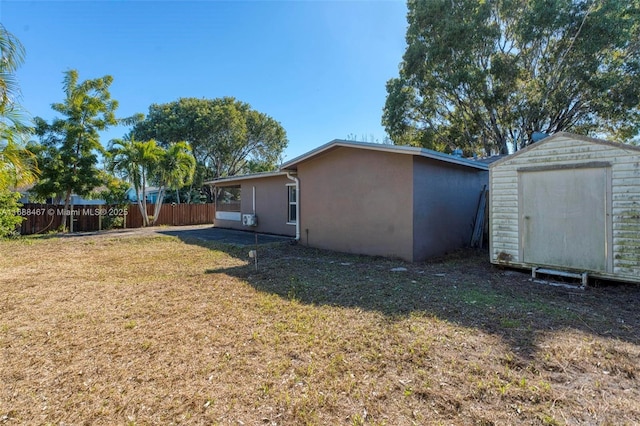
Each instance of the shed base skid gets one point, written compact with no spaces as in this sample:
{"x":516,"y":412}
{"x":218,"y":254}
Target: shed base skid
{"x":622,"y":277}
{"x":583,"y":276}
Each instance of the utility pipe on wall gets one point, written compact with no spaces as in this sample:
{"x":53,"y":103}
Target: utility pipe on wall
{"x":297,"y":181}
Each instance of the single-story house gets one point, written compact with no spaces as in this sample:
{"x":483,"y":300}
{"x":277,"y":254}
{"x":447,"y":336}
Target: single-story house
{"x":568,"y":203}
{"x":366,"y":198}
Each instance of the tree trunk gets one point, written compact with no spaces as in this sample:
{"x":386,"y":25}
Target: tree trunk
{"x":142,"y":205}
{"x":143,"y":212}
{"x":143,"y":201}
{"x":67,"y":205}
{"x":158,"y":205}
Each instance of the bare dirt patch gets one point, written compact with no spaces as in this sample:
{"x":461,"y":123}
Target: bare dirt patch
{"x":154,"y":330}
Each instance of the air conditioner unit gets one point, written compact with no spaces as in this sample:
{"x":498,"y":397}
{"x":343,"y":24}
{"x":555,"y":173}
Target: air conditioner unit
{"x":249,"y":220}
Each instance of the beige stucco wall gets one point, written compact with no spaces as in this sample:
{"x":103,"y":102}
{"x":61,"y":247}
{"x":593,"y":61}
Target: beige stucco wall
{"x":358,"y":201}
{"x":271,"y":205}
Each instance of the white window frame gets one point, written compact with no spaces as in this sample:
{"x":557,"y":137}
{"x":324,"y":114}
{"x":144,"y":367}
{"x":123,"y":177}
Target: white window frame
{"x":292,"y":203}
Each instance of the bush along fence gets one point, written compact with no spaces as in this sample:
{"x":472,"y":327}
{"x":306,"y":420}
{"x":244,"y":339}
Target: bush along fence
{"x":43,"y":218}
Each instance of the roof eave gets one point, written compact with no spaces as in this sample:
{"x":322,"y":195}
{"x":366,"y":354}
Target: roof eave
{"x":396,"y":149}
{"x":564,"y":135}
{"x":245,"y":177}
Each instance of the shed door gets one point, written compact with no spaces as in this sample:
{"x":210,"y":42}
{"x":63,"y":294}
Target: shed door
{"x":563,"y":218}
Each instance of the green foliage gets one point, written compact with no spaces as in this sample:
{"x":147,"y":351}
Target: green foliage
{"x":12,"y":57}
{"x":114,"y":191}
{"x":17,"y":165}
{"x":146,"y":163}
{"x":51,"y":167}
{"x":112,"y":222}
{"x":175,"y":169}
{"x":227,"y":136}
{"x":70,"y":145}
{"x":9,"y":220}
{"x":135,"y":162}
{"x":485,"y":75}
{"x":186,"y":195}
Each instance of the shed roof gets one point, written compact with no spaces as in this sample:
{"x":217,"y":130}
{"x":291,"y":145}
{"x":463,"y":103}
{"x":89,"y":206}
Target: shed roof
{"x":396,"y":149}
{"x":559,"y":135}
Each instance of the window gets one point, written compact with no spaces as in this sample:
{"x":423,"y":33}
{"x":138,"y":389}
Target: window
{"x":228,"y":203}
{"x":293,"y":204}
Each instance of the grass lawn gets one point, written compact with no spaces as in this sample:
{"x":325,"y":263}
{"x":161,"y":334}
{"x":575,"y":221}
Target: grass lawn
{"x":106,"y":330}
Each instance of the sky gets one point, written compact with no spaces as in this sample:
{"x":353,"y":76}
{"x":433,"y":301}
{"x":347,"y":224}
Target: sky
{"x":319,"y":68}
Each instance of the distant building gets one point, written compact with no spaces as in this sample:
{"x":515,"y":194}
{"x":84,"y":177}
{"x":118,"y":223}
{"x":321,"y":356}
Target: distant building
{"x":26,"y":198}
{"x":151,"y":194}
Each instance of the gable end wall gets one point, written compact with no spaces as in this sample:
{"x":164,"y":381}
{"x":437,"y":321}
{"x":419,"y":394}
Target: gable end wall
{"x":357,"y":201}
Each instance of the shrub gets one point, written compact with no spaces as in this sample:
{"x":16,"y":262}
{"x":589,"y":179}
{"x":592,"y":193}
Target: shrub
{"x":112,"y":222}
{"x":9,"y":219}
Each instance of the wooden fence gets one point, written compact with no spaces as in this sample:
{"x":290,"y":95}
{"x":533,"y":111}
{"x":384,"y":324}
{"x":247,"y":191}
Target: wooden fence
{"x":42,"y":218}
{"x":174,"y":214}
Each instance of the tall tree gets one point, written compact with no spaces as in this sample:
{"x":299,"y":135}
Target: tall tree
{"x":227,"y":136}
{"x":12,"y":54}
{"x":73,"y":142}
{"x":485,"y":75}
{"x":17,"y":165}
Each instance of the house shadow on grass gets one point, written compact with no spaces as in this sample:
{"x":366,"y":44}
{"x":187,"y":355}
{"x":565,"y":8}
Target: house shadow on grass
{"x":462,"y":288}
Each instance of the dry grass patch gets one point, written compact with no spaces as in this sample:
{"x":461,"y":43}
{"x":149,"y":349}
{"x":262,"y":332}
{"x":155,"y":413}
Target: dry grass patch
{"x":154,"y":330}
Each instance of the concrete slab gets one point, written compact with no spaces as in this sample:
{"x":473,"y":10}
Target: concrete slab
{"x":228,"y":236}
{"x":200,"y":232}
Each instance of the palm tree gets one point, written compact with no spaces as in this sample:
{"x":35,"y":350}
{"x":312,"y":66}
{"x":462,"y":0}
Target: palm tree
{"x":12,"y":56}
{"x":175,"y":170}
{"x":142,"y":163}
{"x":136,"y":162}
{"x":17,"y":165}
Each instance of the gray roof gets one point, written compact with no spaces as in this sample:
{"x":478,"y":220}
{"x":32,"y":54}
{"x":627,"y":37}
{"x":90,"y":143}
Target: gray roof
{"x":245,"y":177}
{"x":491,"y":159}
{"x":396,"y":149}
